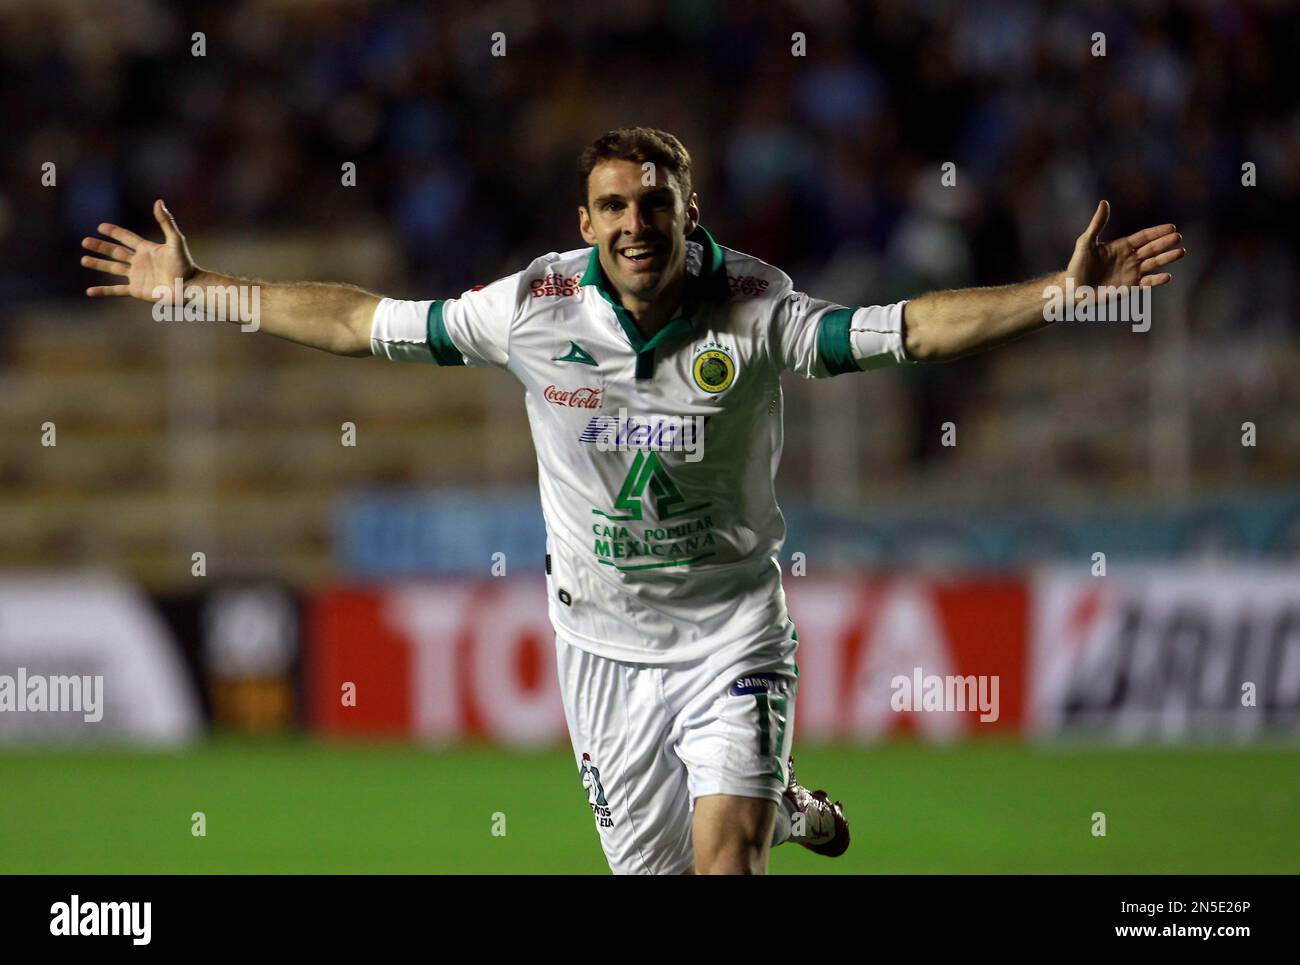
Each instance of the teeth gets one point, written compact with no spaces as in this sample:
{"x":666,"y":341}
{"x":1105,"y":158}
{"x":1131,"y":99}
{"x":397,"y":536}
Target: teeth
{"x":636,"y":252}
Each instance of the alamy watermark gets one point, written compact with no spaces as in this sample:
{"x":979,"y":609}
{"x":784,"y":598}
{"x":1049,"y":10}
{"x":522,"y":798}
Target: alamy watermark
{"x":75,"y":917}
{"x":217,"y":303}
{"x":662,"y":433}
{"x":1093,"y":303}
{"x":951,"y":692}
{"x":33,"y":693}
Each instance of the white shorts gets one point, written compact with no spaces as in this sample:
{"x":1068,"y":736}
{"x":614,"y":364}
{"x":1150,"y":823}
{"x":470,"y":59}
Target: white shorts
{"x":649,"y":739}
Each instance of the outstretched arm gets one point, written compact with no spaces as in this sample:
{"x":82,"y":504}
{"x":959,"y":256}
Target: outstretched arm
{"x":945,"y":325}
{"x":333,"y":318}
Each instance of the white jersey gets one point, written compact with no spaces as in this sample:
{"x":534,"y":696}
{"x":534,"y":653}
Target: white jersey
{"x":656,"y":458}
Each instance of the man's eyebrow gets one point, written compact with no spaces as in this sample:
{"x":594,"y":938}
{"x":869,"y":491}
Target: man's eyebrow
{"x":653,"y":192}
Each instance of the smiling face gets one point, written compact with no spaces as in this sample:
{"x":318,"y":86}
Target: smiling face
{"x":639,"y":230}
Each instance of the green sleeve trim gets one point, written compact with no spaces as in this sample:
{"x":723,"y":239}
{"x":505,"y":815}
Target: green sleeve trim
{"x":833,"y":342}
{"x":440,"y":344}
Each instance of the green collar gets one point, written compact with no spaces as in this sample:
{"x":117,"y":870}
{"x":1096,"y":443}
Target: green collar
{"x":709,"y":285}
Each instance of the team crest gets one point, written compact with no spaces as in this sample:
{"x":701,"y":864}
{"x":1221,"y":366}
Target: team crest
{"x":714,"y":370}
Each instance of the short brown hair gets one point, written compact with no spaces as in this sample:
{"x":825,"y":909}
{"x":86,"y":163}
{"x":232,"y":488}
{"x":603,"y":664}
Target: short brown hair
{"x":639,"y":144}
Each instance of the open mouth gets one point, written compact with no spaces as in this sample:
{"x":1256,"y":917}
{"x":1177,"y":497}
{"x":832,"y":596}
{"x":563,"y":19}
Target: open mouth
{"x":640,"y":255}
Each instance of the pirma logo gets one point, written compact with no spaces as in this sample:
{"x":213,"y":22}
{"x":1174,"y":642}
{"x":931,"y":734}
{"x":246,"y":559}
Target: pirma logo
{"x":576,"y":353}
{"x":133,"y":918}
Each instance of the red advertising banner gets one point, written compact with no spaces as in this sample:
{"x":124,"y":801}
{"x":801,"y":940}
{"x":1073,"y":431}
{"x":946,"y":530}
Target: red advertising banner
{"x":445,"y":661}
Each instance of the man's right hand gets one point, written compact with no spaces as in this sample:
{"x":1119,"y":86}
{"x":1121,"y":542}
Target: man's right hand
{"x":144,"y":265}
{"x":332,"y":318}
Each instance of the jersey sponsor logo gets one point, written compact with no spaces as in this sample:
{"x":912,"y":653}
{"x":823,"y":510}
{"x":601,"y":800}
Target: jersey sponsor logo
{"x":583,"y":397}
{"x":598,"y":427}
{"x":713,"y":369}
{"x":654,"y":547}
{"x":746,"y":285}
{"x":595,"y":792}
{"x":757,"y":683}
{"x":662,"y":433}
{"x":553,"y":285}
{"x":651,"y":547}
{"x":576,"y":353}
{"x":647,"y":472}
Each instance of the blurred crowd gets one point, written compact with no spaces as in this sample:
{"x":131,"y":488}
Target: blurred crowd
{"x":874,"y":151}
{"x":826,"y":164}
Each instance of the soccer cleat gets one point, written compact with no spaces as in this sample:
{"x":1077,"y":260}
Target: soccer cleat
{"x":825,"y":831}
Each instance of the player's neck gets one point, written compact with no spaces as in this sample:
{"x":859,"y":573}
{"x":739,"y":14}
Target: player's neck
{"x":651,"y":316}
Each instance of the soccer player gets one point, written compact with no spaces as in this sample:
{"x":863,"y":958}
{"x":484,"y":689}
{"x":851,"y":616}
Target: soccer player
{"x":651,"y":361}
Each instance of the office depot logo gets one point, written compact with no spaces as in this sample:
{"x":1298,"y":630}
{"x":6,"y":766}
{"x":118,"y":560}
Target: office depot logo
{"x":554,"y":285}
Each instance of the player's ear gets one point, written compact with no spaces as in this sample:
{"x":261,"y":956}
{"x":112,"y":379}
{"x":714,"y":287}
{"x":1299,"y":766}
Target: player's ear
{"x":584,"y":226}
{"x":692,"y":212}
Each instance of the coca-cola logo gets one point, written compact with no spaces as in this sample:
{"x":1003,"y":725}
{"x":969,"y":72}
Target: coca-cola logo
{"x":584,"y":397}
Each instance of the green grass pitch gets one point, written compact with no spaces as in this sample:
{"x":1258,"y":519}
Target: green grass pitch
{"x":302,"y":806}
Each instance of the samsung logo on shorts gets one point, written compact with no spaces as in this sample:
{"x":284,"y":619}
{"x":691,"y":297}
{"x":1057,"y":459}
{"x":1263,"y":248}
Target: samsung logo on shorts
{"x":759,"y":683}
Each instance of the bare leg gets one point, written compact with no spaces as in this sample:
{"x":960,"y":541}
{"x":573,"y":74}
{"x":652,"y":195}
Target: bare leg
{"x":732,"y":835}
